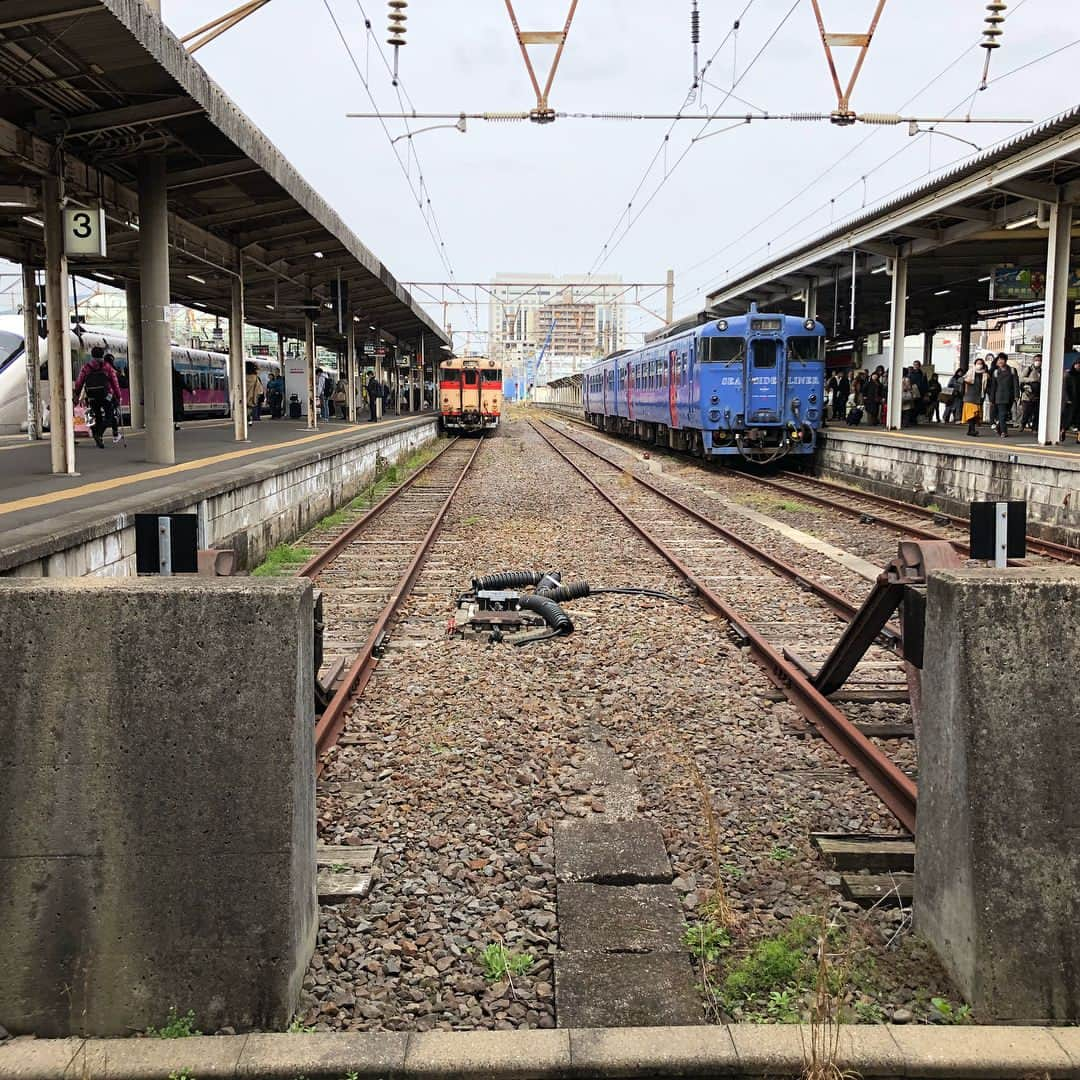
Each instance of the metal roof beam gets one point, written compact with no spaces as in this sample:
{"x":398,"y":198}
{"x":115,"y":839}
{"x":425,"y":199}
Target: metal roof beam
{"x":250,"y":212}
{"x":969,"y":213}
{"x":223,"y":170}
{"x":150,"y":112}
{"x":1030,"y":189}
{"x":51,"y":16}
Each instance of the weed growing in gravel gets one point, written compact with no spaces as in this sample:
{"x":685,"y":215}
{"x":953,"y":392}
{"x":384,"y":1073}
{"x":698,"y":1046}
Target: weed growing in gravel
{"x":716,"y":905}
{"x":945,"y":1012}
{"x":781,"y":854}
{"x":176,"y":1026}
{"x":181,"y":1074}
{"x":339,"y":868}
{"x":282,"y":560}
{"x":823,"y":1054}
{"x":705,"y":940}
{"x":870,"y":1012}
{"x":298,"y":1027}
{"x":498,"y":963}
{"x":473,"y":519}
{"x":782,"y":1007}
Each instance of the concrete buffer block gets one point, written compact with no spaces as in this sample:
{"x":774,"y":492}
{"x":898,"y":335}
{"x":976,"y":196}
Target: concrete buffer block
{"x":157,"y":802}
{"x":998,"y":848}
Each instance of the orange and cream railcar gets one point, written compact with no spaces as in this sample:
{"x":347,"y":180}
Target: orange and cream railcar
{"x":470,"y":394}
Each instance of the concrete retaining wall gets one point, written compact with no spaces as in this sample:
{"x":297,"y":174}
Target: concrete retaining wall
{"x":157,"y":802}
{"x":933,"y":472}
{"x":255,"y":508}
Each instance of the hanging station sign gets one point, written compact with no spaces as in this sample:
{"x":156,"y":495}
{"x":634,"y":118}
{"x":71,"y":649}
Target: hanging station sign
{"x":84,"y":230}
{"x":1024,"y":283}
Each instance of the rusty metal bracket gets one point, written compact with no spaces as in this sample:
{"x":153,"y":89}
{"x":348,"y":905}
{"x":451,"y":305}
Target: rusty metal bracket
{"x":844,"y":113}
{"x":543,"y":113}
{"x":206,"y":33}
{"x":900,"y":582}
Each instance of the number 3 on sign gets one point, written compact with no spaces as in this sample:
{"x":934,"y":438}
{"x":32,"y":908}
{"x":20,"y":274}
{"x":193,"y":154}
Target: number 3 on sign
{"x":84,"y":230}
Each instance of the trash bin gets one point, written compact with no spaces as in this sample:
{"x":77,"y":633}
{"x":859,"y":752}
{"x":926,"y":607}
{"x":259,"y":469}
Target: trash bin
{"x":294,"y":407}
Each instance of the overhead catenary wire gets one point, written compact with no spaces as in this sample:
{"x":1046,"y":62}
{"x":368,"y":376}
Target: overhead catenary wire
{"x":833,"y":166}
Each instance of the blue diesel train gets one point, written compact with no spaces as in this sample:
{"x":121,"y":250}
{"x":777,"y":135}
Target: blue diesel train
{"x":752,"y":385}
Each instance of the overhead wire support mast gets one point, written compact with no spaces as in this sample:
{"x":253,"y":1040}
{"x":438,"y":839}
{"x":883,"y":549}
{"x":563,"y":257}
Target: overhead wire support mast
{"x":843,"y":113}
{"x":543,"y":113}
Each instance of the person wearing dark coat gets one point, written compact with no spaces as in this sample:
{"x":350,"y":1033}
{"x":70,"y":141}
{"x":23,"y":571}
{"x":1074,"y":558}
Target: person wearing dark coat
{"x":1003,"y":392}
{"x":374,"y":393}
{"x":841,"y":395}
{"x":1072,"y":399}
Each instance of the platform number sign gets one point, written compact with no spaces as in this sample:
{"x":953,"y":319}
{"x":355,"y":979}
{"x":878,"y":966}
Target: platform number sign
{"x":84,"y":230}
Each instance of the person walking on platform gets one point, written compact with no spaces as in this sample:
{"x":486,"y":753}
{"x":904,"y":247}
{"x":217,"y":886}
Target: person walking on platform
{"x":374,"y":394}
{"x":115,"y":405}
{"x":1004,"y":393}
{"x":933,"y":399}
{"x":1030,"y":393}
{"x":254,"y":393}
{"x":953,"y":396}
{"x":97,"y":381}
{"x":873,"y":395}
{"x":975,"y":384}
{"x":275,"y":396}
{"x":341,"y":399}
{"x":1072,"y":399}
{"x":918,"y":384}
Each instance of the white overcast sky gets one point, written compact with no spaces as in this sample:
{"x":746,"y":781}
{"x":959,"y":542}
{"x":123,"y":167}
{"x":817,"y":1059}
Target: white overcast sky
{"x":518,"y":197}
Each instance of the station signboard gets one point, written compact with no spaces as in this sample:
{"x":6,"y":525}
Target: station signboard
{"x":1025,"y":283}
{"x":84,"y":230}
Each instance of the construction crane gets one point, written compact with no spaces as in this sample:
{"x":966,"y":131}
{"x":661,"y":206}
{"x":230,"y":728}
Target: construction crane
{"x":530,"y":383}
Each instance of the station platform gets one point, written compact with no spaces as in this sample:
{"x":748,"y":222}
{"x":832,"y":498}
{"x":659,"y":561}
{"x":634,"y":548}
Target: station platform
{"x":940,"y":465}
{"x":247,"y":495}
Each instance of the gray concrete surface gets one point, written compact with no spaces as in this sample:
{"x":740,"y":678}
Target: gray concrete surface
{"x":620,"y":918}
{"x":611,"y":853}
{"x":157,"y":801}
{"x":997,"y":861}
{"x":247,"y":497}
{"x":938,"y":464}
{"x":748,"y":1050}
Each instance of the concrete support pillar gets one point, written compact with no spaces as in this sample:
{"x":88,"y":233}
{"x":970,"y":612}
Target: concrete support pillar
{"x":133,"y":294}
{"x":810,"y":295}
{"x":237,"y":372}
{"x":61,"y":419}
{"x":1057,"y":295}
{"x":350,"y":368}
{"x":927,"y":348}
{"x":898,"y":333}
{"x":33,"y":357}
{"x":309,"y":368}
{"x":998,"y":862}
{"x":145,"y":861}
{"x":154,"y":298}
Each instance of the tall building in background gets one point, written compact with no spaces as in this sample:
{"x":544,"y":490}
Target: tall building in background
{"x":580,"y":321}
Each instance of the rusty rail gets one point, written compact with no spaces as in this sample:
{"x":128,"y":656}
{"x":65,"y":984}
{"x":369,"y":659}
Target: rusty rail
{"x":894,"y":787}
{"x":318,"y":563}
{"x":332,"y":722}
{"x":1047,"y":548}
{"x":844,"y":608}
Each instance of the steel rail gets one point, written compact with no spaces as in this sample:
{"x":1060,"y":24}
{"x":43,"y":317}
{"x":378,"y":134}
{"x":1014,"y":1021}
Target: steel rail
{"x":332,"y":722}
{"x":844,"y":608}
{"x":318,"y":563}
{"x":894,"y":787}
{"x":1048,"y":548}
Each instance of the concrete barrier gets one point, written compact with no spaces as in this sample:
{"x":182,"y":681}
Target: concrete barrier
{"x":997,"y":860}
{"x":157,"y":810}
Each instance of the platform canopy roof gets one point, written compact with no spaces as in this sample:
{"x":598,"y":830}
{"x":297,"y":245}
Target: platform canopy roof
{"x":954,"y":230}
{"x":90,"y":86}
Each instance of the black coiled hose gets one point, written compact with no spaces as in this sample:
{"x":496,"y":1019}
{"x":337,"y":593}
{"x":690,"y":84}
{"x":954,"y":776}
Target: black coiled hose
{"x":507,"y":579}
{"x":557,"y":619}
{"x":575,"y":590}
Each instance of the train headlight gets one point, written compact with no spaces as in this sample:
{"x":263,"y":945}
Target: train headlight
{"x":715,"y":398}
{"x":809,"y":324}
{"x":714,"y":415}
{"x":721,"y":325}
{"x":812,"y":399}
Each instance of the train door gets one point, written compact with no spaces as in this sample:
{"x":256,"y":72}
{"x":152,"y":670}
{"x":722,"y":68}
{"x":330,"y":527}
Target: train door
{"x":672,"y":374}
{"x":763,"y":383}
{"x":629,"y":392}
{"x":470,"y":392}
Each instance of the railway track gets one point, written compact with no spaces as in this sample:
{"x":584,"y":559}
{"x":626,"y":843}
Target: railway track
{"x":771,"y":622}
{"x":367,"y":571}
{"x":905,"y":519}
